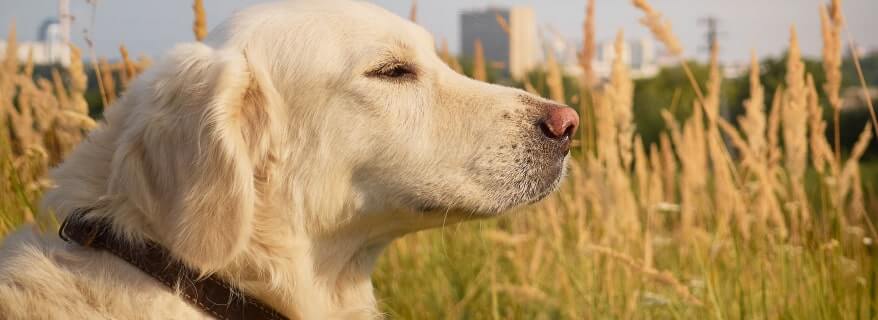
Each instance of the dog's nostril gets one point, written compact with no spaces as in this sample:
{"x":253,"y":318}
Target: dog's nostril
{"x":569,"y":132}
{"x":560,"y":122}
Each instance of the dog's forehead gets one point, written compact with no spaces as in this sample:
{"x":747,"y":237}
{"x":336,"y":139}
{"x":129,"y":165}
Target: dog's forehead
{"x":357,"y":23}
{"x":408,"y":42}
{"x":381,"y":25}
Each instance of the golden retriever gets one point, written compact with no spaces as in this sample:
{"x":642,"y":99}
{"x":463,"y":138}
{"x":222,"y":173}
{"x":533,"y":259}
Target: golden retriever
{"x":283,"y":154}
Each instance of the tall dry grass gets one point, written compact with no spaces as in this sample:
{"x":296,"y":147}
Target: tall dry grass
{"x":589,"y":79}
{"x":831,"y":22}
{"x":43,"y":120}
{"x":199,"y":25}
{"x":758,"y":217}
{"x":480,"y":71}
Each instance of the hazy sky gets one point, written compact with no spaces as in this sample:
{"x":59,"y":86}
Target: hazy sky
{"x":151,"y":27}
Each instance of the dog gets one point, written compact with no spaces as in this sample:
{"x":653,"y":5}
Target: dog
{"x":282,"y":155}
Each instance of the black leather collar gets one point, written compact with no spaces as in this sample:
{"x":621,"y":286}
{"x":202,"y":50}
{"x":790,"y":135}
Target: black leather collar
{"x":211,"y":294}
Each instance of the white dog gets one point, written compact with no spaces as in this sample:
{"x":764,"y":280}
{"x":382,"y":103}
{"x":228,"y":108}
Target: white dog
{"x":282,"y":155}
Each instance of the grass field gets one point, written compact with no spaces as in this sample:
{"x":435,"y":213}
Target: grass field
{"x":759,"y":217}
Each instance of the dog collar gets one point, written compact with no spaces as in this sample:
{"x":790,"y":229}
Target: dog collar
{"x":210,"y":294}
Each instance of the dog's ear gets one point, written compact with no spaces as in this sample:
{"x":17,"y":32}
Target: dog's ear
{"x":191,"y":154}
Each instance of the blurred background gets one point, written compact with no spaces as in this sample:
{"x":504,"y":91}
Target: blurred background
{"x":726,"y":166}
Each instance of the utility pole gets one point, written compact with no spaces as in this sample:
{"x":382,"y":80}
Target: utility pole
{"x":712,"y":34}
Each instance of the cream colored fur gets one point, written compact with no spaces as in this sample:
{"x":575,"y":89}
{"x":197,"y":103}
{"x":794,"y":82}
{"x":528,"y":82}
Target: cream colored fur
{"x":276,"y":157}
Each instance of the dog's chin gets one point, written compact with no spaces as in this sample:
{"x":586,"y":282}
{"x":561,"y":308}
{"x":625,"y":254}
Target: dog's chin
{"x":550,"y":185}
{"x":539,"y":187}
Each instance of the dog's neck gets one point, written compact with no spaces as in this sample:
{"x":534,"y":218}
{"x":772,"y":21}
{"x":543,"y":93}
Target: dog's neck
{"x":313,"y":276}
{"x":325,"y":273}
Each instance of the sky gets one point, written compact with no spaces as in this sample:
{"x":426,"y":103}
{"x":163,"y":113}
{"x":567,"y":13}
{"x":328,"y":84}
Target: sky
{"x":154,"y":26}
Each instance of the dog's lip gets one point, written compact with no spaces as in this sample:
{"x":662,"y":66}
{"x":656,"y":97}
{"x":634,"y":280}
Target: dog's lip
{"x":428,"y":207}
{"x":566,"y":142}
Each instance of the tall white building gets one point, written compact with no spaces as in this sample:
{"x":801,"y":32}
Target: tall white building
{"x":508,"y":36}
{"x":49,"y":49}
{"x":53,"y":37}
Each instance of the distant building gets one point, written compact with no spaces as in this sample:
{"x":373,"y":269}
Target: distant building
{"x":640,"y":56}
{"x":508,"y":36}
{"x":51,"y":47}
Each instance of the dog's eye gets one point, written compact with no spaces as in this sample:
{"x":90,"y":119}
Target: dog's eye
{"x":394,"y":71}
{"x":397,"y":71}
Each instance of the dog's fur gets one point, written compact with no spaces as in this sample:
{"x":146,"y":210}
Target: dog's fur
{"x":283,"y":154}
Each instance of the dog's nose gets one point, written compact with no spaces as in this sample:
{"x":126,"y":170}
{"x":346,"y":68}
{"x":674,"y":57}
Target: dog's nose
{"x":560,"y":122}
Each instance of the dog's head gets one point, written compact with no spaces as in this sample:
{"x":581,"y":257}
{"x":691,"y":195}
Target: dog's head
{"x":326,"y":108}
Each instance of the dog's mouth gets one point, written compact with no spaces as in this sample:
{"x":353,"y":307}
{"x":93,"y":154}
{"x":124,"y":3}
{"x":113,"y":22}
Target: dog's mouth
{"x":529,"y":176}
{"x":511,"y":199}
{"x":428,"y":207}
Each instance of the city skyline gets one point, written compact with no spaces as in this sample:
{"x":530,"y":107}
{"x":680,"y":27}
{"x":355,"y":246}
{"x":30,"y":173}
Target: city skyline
{"x":153,"y":27}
